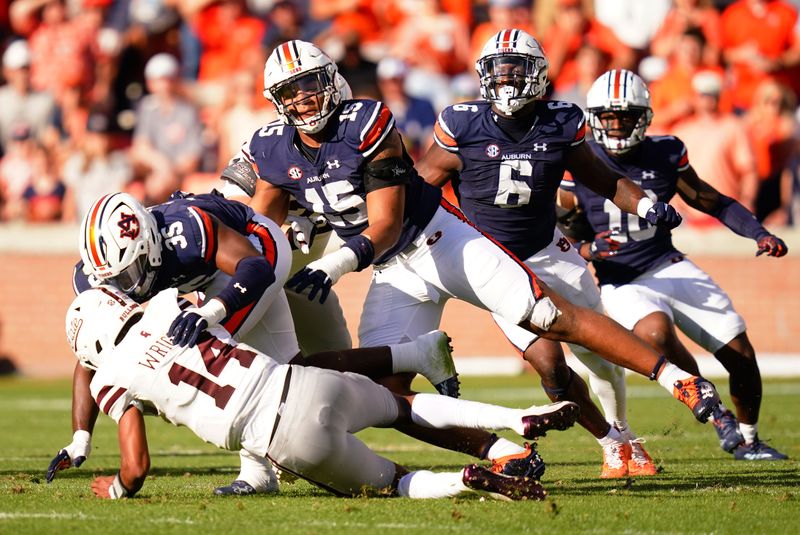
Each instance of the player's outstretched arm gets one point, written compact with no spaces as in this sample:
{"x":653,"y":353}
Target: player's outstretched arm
{"x":270,"y":201}
{"x":84,"y":416}
{"x":134,"y":459}
{"x":628,"y":196}
{"x":702,"y":196}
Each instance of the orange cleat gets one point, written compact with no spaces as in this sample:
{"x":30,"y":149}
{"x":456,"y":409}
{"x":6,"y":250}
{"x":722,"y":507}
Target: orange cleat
{"x":526,"y":464}
{"x":699,"y":395}
{"x":615,"y":460}
{"x":640,"y":463}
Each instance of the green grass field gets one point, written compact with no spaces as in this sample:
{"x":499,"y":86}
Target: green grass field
{"x":699,"y":490}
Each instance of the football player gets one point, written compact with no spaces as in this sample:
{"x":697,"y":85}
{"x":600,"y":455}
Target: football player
{"x":198,"y":242}
{"x":646,"y":283}
{"x":345,"y":160}
{"x":505,"y":155}
{"x":302,"y":418}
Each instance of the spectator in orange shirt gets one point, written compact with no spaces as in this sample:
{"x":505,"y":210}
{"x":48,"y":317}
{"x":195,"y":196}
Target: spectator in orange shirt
{"x":669,"y":93}
{"x":502,"y":14}
{"x":230,"y":39}
{"x":771,"y":129}
{"x":759,"y":39}
{"x":591,"y":63}
{"x":431,"y":39}
{"x":725,"y":159}
{"x":61,"y":51}
{"x":572,"y":29}
{"x":687,"y":15}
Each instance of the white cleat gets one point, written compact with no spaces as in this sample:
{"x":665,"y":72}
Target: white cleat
{"x":438,"y":367}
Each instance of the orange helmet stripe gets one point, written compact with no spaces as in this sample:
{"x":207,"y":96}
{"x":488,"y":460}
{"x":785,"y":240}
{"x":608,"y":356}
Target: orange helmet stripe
{"x":91,"y":229}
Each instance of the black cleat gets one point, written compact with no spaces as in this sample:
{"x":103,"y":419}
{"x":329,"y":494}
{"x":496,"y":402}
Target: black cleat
{"x":502,"y":487}
{"x":559,"y":416}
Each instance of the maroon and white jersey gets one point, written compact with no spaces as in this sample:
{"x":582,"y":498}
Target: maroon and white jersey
{"x":226,"y":393}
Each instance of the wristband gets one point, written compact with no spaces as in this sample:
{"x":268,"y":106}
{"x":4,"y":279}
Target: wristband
{"x":213,"y":311}
{"x":363,"y":248}
{"x":82,"y":437}
{"x":117,"y":490}
{"x":645,"y":203}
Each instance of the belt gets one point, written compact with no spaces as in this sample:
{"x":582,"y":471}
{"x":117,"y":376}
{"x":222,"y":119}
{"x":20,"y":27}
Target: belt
{"x":285,"y":393}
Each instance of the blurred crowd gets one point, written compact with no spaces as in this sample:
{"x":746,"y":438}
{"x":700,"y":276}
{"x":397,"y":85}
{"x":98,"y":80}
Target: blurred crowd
{"x":149,"y":96}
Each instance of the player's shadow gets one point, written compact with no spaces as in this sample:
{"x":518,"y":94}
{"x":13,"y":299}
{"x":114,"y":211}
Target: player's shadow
{"x":788,"y":476}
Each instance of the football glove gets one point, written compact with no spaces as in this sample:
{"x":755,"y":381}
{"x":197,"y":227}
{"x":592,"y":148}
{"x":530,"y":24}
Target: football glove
{"x":662,"y":214}
{"x":72,"y":455}
{"x":316,"y":279}
{"x":604,"y":246}
{"x":185,"y":329}
{"x":772,"y":246}
{"x":301,"y":232}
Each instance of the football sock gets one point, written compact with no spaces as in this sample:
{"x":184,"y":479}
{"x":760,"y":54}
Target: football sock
{"x":427,"y":484}
{"x":405,"y":357}
{"x":670,"y":374}
{"x":749,"y":432}
{"x":624,"y":430}
{"x":441,"y":412}
{"x":613,"y":437}
{"x":502,"y":448}
{"x":257,"y":471}
{"x":607,"y":382}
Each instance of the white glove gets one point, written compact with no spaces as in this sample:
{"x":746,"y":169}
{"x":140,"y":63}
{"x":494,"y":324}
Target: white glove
{"x":301,"y":232}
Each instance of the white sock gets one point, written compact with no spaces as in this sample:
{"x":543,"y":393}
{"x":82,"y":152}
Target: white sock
{"x":670,"y":374}
{"x":613,"y":437}
{"x":427,"y":484}
{"x":257,"y":471}
{"x":405,"y":357}
{"x":441,"y":412}
{"x":749,"y":432}
{"x":607,"y":382}
{"x":502,"y":448}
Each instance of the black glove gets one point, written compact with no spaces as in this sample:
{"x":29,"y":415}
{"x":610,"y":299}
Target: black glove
{"x":662,"y":214}
{"x":603,"y":246}
{"x":772,"y":246}
{"x":187,"y":327}
{"x":318,"y":280}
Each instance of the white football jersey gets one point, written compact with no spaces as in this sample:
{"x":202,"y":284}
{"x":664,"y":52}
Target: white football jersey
{"x":226,"y":393}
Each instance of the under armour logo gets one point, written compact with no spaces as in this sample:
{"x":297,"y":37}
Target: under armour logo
{"x":333,"y":164}
{"x":648,"y":174}
{"x":539,"y":147}
{"x":239,"y":287}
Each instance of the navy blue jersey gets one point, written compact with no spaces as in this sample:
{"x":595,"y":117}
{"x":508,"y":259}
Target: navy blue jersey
{"x":189,"y":241}
{"x":654,"y":165}
{"x":333,"y":184}
{"x":508,"y":188}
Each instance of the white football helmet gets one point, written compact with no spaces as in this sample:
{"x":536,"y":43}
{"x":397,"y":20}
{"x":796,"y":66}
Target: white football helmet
{"x":97,"y":321}
{"x":120,"y":244}
{"x":619,"y":110}
{"x":512,"y":70}
{"x":300,"y":79}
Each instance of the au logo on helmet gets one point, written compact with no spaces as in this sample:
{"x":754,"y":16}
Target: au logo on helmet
{"x":129,"y":226}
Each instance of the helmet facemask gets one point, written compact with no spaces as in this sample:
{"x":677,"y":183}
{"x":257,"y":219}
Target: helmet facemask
{"x":619,"y":128}
{"x":510,"y":81}
{"x":313,"y":90}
